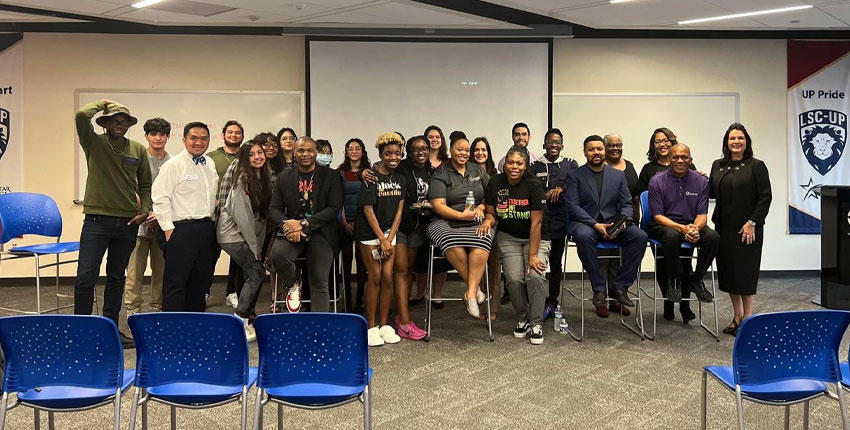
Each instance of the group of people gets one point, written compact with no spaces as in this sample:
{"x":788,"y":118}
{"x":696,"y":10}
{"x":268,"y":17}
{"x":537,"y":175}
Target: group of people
{"x":274,"y":200}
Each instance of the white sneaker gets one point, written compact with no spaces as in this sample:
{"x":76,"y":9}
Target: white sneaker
{"x":388,"y":335}
{"x":480,"y":296}
{"x":232,"y":299}
{"x":250,"y":333}
{"x":374,"y":335}
{"x":536,"y":335}
{"x":293,"y":298}
{"x":471,"y":307}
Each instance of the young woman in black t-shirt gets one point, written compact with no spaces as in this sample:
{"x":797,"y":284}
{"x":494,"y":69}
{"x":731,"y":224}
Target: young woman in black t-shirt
{"x":378,"y":218}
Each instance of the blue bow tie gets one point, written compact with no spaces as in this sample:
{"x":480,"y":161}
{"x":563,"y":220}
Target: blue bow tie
{"x":200,"y":160}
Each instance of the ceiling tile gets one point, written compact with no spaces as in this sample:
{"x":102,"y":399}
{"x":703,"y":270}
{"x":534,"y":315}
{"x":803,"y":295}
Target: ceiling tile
{"x":162,"y":17}
{"x":286,"y":9}
{"x":738,"y":6}
{"x":839,"y":11}
{"x":808,"y":18}
{"x":418,"y":14}
{"x":77,"y":6}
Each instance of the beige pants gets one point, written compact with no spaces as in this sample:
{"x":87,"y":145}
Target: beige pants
{"x":136,"y":274}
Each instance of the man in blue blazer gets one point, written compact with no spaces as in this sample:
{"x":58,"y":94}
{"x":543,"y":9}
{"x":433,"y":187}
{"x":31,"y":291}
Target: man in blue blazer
{"x":595,"y":195}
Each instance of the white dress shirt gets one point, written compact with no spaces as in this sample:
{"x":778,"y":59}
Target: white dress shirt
{"x":184,"y":190}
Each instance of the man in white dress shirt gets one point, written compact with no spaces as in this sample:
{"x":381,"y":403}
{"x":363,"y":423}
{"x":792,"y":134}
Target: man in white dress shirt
{"x":184,"y":203}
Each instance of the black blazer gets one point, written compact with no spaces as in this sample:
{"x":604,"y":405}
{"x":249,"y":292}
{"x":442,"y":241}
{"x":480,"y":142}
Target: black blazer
{"x":327,"y":195}
{"x":584,"y":205}
{"x":751,"y":197}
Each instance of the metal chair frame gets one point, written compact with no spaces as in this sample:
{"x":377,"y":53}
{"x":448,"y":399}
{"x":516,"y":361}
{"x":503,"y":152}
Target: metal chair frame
{"x":338,"y":294}
{"x":431,"y":258}
{"x":7,"y":255}
{"x":639,"y":330}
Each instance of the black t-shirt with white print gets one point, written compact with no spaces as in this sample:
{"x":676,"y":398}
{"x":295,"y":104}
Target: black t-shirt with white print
{"x":514,"y":204}
{"x":383,"y":196}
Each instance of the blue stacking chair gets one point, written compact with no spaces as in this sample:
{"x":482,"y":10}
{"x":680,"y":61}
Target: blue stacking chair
{"x":584,"y":299}
{"x":190,"y":360}
{"x":28,"y":213}
{"x":781,"y":359}
{"x":312,"y":361}
{"x":62,"y":363}
{"x":655,"y":296}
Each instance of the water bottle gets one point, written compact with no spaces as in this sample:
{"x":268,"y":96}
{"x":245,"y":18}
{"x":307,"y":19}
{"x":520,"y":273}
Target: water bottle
{"x":561,"y":325}
{"x":470,"y":200}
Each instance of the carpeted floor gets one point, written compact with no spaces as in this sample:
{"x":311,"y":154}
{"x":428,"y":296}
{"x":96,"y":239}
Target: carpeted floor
{"x":459,"y":380}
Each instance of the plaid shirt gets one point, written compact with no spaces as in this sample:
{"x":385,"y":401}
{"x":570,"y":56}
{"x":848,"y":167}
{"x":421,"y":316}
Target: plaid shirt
{"x":225,"y":184}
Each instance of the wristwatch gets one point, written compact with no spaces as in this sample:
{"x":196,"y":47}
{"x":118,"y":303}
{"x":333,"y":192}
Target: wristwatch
{"x":752,"y":223}
{"x":304,"y":223}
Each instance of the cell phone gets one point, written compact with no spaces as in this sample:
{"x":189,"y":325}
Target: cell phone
{"x":376,"y":254}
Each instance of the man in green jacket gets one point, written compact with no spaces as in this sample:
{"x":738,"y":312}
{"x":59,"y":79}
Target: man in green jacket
{"x":117,"y":200}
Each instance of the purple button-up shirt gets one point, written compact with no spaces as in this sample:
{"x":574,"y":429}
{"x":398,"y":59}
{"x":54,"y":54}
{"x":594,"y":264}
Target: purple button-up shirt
{"x":680,"y":199}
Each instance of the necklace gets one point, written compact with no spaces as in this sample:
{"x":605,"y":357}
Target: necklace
{"x":304,"y":193}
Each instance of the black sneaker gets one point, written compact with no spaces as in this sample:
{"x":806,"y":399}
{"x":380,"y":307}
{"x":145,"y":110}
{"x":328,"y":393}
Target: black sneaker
{"x":522,"y":329}
{"x":126,"y":341}
{"x":674,"y":289}
{"x":698,"y":288}
{"x":537,"y":335}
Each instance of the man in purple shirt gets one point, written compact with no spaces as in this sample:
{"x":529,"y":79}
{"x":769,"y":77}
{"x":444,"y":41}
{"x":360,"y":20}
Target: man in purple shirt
{"x":678,"y":210}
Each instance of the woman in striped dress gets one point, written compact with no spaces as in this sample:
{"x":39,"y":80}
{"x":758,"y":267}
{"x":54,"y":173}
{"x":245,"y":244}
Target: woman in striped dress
{"x":455,"y":230}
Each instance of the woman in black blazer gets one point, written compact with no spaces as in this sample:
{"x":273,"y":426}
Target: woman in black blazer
{"x":740,"y":185}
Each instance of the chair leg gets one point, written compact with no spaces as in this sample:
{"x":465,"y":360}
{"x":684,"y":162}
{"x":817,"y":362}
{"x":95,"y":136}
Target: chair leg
{"x":739,"y":401}
{"x":4,"y":403}
{"x":279,"y":416}
{"x":843,"y":405}
{"x":51,"y":424}
{"x":117,"y":414}
{"x":37,"y":419}
{"x":367,"y":408}
{"x":430,"y":277}
{"x":145,"y":415}
{"x":788,"y":417}
{"x":487,"y":287}
{"x":135,"y":408}
{"x":806,"y":415}
{"x":244,"y":401}
{"x":703,"y":405}
{"x":173,"y":418}
{"x":258,"y":410}
{"x":37,"y":285}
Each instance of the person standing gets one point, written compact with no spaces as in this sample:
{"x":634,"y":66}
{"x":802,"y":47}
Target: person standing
{"x":184,"y":197}
{"x":157,"y":132}
{"x":232,"y":134}
{"x":521,"y":136}
{"x":552,"y":170}
{"x":740,"y":184}
{"x":117,"y":200}
{"x":355,"y":160}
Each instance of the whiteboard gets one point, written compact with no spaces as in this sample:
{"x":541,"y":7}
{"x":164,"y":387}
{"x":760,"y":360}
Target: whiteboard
{"x":698,"y":119}
{"x":362,"y":89}
{"x":257,"y":111}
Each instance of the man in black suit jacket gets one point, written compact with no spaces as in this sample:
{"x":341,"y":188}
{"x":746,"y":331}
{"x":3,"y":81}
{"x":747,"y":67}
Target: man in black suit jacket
{"x":595,"y":195}
{"x":305,"y":205}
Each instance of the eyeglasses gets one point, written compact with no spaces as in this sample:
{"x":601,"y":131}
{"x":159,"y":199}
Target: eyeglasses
{"x":116,"y":123}
{"x":614,"y":146}
{"x":418,"y":151}
{"x":269,"y":145}
{"x":555,"y":142}
{"x":662,"y":142}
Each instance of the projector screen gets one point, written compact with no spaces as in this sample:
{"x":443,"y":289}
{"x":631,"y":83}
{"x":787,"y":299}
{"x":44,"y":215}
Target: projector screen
{"x":362,"y":89}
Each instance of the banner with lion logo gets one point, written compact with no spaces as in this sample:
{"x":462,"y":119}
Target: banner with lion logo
{"x":11,"y":117}
{"x":818,"y":105}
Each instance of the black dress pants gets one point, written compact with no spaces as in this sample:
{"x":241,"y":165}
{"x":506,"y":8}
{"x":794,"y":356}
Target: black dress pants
{"x":190,"y":257}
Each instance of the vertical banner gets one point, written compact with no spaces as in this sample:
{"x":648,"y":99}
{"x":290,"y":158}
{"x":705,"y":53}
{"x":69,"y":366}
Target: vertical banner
{"x":818,"y":105}
{"x":11,"y":118}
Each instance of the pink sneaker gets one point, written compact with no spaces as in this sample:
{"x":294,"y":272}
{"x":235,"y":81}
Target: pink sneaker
{"x":410,"y":331}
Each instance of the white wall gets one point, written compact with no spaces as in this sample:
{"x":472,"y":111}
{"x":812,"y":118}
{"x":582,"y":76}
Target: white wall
{"x":754,"y":68}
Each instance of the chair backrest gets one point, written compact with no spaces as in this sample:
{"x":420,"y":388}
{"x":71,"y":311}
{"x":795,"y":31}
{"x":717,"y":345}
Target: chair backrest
{"x":644,"y":210}
{"x":49,"y":350}
{"x":312,"y":347}
{"x":779,"y":346}
{"x":207,"y":348}
{"x":28,"y":213}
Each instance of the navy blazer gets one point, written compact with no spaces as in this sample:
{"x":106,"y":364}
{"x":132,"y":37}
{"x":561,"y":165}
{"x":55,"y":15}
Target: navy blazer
{"x":584,"y":204}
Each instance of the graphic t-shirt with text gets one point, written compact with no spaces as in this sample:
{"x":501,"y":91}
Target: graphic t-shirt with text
{"x":384,"y":196}
{"x":514,"y":203}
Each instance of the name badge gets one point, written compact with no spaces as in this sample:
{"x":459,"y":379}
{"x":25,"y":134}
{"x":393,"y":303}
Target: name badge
{"x":191,"y":177}
{"x":130,"y":161}
{"x":542,"y":175}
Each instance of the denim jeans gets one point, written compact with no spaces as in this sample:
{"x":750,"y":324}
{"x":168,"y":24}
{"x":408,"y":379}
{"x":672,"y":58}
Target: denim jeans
{"x":254,"y":272}
{"x":103,"y":234}
{"x":528,"y":288}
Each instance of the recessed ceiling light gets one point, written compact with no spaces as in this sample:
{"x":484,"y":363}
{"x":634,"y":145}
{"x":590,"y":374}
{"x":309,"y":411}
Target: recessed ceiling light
{"x":744,"y":15}
{"x":146,"y":3}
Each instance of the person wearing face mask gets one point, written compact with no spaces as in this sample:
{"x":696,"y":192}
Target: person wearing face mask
{"x":596,"y":195}
{"x":116,"y":202}
{"x":184,"y":196}
{"x":552,"y":170}
{"x":242,"y":223}
{"x":326,"y":152}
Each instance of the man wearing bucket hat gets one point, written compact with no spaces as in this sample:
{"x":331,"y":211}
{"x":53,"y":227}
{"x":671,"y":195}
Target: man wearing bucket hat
{"x":117,"y":200}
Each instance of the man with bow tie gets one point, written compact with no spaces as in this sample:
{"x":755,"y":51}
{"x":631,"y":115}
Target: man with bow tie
{"x":184,"y":203}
